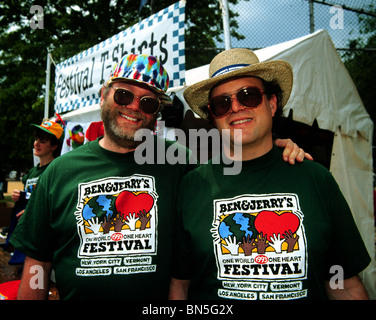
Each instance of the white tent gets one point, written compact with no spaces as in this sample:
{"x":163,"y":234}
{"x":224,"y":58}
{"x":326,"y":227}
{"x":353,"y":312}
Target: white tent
{"x":322,"y":91}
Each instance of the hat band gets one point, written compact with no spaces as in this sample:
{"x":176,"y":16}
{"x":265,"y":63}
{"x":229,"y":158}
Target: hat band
{"x":227,"y":69}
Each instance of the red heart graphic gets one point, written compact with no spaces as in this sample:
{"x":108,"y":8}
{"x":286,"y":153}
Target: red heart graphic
{"x":127,"y":202}
{"x":269,"y":223}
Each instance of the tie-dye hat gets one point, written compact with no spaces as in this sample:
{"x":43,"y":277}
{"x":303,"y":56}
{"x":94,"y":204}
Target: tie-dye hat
{"x":146,"y":69}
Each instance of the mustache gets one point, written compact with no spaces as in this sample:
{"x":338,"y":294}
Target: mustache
{"x":132,"y":113}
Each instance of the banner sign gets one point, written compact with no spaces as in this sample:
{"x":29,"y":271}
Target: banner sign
{"x":79,"y":78}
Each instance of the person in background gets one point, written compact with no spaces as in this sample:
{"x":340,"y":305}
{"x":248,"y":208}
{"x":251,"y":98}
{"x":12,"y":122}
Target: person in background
{"x":47,"y":145}
{"x":273,"y":231}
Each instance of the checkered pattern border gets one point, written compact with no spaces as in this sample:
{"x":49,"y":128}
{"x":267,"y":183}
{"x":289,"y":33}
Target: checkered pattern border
{"x":177,"y":78}
{"x":176,"y":12}
{"x":85,"y":101}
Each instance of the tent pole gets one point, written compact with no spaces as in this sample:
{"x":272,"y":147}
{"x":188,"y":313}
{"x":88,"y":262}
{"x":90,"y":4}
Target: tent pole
{"x":47,"y":90}
{"x":311,"y":17}
{"x":226,"y":23}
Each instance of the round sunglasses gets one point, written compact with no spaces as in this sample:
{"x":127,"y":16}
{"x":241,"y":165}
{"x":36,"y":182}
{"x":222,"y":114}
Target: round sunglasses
{"x":250,"y":97}
{"x":124,"y":97}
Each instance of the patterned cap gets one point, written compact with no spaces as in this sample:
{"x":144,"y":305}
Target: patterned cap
{"x":146,"y":69}
{"x":51,"y":127}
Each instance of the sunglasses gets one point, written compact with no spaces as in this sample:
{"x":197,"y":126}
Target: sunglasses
{"x":250,"y":97}
{"x":124,"y":97}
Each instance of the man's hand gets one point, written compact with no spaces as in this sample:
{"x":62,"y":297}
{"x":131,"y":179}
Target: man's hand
{"x":292,"y":151}
{"x":16,"y":195}
{"x":19,"y":214}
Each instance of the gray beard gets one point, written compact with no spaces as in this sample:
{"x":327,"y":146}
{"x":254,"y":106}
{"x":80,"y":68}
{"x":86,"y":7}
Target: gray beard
{"x":121,"y":139}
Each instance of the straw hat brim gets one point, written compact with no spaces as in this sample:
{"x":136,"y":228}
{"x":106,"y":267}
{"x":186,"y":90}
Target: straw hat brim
{"x":197,"y":95}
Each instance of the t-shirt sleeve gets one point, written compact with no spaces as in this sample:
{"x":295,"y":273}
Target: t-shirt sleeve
{"x":348,"y":249}
{"x":33,"y":235}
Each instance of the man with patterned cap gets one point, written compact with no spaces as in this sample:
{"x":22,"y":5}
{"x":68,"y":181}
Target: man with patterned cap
{"x":102,"y":222}
{"x":274,"y":231}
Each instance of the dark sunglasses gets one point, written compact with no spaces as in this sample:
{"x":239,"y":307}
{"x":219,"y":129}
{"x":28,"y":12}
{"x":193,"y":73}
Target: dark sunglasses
{"x":250,"y":97}
{"x":124,"y":97}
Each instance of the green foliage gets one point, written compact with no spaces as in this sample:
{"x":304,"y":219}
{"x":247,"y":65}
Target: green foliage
{"x":360,"y":62}
{"x":70,"y":27}
{"x":22,"y":78}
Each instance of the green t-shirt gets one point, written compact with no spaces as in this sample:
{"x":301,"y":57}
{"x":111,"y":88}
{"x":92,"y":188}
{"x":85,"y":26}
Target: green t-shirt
{"x":31,"y":178}
{"x":105,"y":222}
{"x":272,"y":232}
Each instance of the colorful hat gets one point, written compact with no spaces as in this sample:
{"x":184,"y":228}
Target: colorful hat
{"x":51,"y":127}
{"x":238,"y":62}
{"x":146,"y":69}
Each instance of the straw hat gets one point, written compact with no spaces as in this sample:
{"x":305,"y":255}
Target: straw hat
{"x":238,"y":62}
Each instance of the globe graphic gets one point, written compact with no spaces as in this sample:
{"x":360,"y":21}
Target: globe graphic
{"x":239,"y":225}
{"x":99,"y":206}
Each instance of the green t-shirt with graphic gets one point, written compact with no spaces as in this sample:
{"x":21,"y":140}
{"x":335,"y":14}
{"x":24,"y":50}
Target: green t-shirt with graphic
{"x":31,"y":178}
{"x":105,"y":222}
{"x":272,"y":232}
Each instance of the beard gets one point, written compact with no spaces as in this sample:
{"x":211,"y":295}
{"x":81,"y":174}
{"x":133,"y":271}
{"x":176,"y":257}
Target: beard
{"x":122,"y":138}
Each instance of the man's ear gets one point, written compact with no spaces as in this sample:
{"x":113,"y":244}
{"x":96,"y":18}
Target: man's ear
{"x":273,"y":104}
{"x":102,"y":98}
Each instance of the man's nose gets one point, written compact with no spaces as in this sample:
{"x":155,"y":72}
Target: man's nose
{"x":135,"y":104}
{"x":236,"y":106}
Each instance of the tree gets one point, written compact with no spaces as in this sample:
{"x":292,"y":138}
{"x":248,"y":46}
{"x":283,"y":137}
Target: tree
{"x":70,"y":27}
{"x":360,"y":62}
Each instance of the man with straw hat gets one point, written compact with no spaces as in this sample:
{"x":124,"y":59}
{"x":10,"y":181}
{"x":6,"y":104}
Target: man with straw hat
{"x":100,"y":220}
{"x":273,"y":231}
